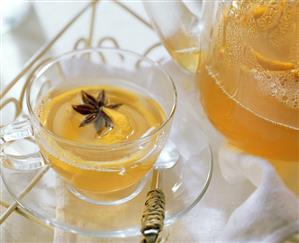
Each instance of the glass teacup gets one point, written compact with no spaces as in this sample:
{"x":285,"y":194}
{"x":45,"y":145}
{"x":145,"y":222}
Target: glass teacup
{"x":104,"y":173}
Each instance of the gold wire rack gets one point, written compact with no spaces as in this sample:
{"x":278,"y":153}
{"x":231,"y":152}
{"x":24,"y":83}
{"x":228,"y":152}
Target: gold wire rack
{"x":44,"y":54}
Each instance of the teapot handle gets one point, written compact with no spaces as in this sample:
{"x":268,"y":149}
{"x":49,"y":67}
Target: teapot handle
{"x":179,"y":25}
{"x":195,"y":7}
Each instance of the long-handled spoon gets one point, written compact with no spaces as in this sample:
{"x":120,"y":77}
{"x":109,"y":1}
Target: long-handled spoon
{"x":152,"y":221}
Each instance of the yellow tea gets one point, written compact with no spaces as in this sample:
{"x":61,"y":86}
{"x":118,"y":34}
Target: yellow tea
{"x":184,"y":51}
{"x":101,"y":170}
{"x":250,"y":88}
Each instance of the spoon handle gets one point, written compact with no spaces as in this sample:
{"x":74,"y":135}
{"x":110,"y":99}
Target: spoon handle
{"x":152,"y":221}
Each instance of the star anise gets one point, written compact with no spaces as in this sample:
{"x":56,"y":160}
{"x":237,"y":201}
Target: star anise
{"x":92,"y":108}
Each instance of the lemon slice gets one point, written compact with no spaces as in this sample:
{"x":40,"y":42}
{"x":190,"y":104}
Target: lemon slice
{"x":258,"y":11}
{"x":122,"y":127}
{"x":272,"y":65}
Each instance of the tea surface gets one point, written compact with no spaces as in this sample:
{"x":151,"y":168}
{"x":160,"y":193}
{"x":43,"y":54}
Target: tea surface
{"x":137,"y":116}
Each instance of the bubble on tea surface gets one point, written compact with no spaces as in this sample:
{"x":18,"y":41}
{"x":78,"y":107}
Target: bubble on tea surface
{"x":283,"y":86}
{"x":257,"y":43}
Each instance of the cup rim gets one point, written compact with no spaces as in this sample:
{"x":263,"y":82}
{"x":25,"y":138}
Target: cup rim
{"x":49,"y":63}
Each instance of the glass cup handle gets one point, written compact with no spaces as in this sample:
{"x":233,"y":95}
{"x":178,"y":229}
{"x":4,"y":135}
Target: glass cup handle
{"x":15,"y":130}
{"x":12,"y":132}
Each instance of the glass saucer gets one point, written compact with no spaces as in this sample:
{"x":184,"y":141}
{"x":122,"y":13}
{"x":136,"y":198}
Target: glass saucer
{"x":184,"y":185}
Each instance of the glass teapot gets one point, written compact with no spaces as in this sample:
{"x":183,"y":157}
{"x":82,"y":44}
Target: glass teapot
{"x":245,"y":55}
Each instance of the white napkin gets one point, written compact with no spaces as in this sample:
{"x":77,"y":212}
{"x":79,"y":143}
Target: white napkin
{"x":270,"y":213}
{"x":246,"y":200}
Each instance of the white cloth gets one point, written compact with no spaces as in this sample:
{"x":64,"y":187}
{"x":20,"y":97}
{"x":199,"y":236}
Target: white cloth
{"x":246,"y":200}
{"x":269,"y":214}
